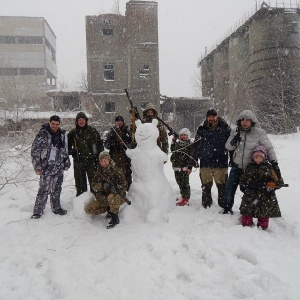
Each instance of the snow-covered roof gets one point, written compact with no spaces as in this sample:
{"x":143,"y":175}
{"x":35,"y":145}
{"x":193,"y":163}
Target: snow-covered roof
{"x":20,"y":115}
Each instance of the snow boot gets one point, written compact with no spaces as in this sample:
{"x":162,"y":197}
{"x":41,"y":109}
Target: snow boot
{"x":227,"y":211}
{"x":206,"y":195}
{"x":35,"y":216}
{"x":60,"y":212}
{"x":183,"y":202}
{"x":108,"y":215}
{"x":221,"y":194}
{"x":114,"y":221}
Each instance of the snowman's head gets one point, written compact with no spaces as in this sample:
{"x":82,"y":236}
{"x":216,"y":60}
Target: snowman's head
{"x":146,"y":134}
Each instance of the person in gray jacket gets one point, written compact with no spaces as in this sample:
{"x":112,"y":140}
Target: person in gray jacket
{"x":240,"y":145}
{"x":49,"y":154}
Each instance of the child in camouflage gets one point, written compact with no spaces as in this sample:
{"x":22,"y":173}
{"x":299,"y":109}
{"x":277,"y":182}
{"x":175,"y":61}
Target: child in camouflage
{"x":181,"y":151}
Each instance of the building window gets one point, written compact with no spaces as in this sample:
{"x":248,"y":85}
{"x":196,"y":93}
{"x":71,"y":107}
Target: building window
{"x":107,"y":31}
{"x":30,"y":40}
{"x":51,"y":80}
{"x":7,"y":40}
{"x":109,"y":72}
{"x":144,"y":72}
{"x":9,"y":72}
{"x":32,"y":71}
{"x":110,"y":107}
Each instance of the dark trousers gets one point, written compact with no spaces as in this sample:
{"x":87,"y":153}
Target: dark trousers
{"x":231,"y":186}
{"x":83,"y":171}
{"x":49,"y":185}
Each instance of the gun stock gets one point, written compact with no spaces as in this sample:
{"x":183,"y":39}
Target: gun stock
{"x":171,"y":130}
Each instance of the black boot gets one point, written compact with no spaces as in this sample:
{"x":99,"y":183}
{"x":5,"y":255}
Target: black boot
{"x":114,"y":221}
{"x":60,"y":211}
{"x":221,"y":194}
{"x":206,"y":195}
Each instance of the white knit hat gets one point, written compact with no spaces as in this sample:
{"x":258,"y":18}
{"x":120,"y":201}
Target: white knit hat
{"x":185,"y":131}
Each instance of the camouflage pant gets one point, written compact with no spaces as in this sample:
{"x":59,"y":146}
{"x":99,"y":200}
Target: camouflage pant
{"x":49,"y":184}
{"x":103,"y":203}
{"x":182,"y":179}
{"x":83,"y":171}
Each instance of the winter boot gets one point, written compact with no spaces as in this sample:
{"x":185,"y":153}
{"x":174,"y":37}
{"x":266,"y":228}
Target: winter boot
{"x":108,"y":215}
{"x":35,"y":216}
{"x":206,"y":195}
{"x":114,"y":221}
{"x":263,"y":223}
{"x":221,"y":194}
{"x":60,"y":211}
{"x":183,"y":202}
{"x":247,"y":220}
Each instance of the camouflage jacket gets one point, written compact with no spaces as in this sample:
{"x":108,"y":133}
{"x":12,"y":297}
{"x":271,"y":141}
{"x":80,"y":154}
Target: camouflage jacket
{"x":46,"y":157}
{"x":86,"y":141}
{"x":181,"y":157}
{"x":257,"y":200}
{"x":112,"y":176}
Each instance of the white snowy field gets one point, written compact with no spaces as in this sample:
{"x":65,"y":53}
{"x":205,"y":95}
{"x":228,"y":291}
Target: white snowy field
{"x":197,"y":254}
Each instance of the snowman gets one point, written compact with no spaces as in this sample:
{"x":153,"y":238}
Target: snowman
{"x":150,"y":193}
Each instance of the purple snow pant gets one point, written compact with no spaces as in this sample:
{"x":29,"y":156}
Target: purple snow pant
{"x":49,"y":184}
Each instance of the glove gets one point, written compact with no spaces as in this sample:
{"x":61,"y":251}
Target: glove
{"x":277,"y":171}
{"x":236,"y":139}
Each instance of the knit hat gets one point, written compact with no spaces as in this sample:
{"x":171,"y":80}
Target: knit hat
{"x":260,"y":151}
{"x":81,"y":115}
{"x":104,"y":155}
{"x":148,"y":107}
{"x":211,"y":112}
{"x":185,"y":131}
{"x":119,"y":118}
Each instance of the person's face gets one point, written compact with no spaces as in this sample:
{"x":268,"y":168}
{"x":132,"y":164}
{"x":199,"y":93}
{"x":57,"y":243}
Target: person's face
{"x":104,"y":162}
{"x":54,"y":125}
{"x":246,"y":123}
{"x":119,"y":124}
{"x":258,"y":159}
{"x":212,"y":119}
{"x":184,"y":137}
{"x":150,"y":113}
{"x":81,"y":122}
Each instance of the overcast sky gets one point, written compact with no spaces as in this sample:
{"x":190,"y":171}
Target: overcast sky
{"x":186,"y":27}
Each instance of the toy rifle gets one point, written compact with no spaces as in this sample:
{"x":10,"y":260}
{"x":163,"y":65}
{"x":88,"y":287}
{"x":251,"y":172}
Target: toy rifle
{"x":109,"y":186}
{"x":76,"y":150}
{"x":171,"y":130}
{"x":134,"y":116}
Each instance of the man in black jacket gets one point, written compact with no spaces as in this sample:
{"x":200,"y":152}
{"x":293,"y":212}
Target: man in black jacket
{"x":85,"y":145}
{"x":210,"y":148}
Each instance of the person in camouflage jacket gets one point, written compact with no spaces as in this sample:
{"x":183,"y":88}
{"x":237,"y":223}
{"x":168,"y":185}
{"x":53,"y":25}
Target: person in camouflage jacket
{"x":85,"y":145}
{"x":258,"y":183}
{"x":110,"y":187}
{"x":49,"y":154}
{"x":181,"y":151}
{"x":149,"y":114}
{"x":117,"y":141}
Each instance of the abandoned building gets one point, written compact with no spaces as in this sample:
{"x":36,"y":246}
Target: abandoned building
{"x":122,"y":53}
{"x":257,"y":66}
{"x":27,"y":62}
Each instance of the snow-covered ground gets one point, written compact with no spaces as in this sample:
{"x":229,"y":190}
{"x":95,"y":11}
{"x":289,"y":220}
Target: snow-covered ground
{"x":197,"y":254}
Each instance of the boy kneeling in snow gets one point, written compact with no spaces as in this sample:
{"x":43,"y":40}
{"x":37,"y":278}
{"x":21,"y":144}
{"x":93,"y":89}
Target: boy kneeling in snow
{"x":258,"y":183}
{"x":110,"y":186}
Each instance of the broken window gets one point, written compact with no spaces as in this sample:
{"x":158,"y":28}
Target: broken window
{"x":110,"y":107}
{"x":109,"y":72}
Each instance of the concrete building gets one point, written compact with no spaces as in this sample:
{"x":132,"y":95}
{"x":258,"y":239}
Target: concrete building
{"x":27,"y":61}
{"x":257,"y":66}
{"x":122,"y":52}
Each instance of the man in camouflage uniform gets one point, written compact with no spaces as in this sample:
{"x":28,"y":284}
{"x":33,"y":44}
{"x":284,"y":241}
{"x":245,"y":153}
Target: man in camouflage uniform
{"x":85,"y":145}
{"x":110,"y":186}
{"x":49,"y":153}
{"x":117,"y":141}
{"x":149,"y":114}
